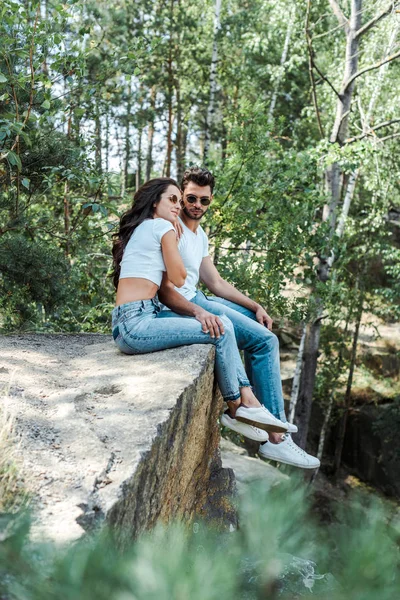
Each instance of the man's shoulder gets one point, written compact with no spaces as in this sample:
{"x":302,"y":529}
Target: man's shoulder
{"x":202,"y":232}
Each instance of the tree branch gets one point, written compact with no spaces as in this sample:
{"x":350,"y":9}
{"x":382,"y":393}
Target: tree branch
{"x":310,"y":68}
{"x":372,"y":130}
{"x":325,"y":79}
{"x":390,"y":8}
{"x":339,"y":14}
{"x":370,"y":68}
{"x":389,"y":137}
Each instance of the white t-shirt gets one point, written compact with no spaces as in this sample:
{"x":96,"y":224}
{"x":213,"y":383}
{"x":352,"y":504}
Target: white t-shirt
{"x":142,"y":255}
{"x":193,"y":247}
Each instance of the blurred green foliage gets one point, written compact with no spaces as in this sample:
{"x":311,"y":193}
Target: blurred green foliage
{"x":279,"y":551}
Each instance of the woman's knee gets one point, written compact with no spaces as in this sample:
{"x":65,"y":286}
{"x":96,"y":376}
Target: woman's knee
{"x":228,"y":325}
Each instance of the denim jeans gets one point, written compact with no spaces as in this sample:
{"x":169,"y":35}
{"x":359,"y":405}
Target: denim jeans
{"x":261,"y":350}
{"x":139,"y":327}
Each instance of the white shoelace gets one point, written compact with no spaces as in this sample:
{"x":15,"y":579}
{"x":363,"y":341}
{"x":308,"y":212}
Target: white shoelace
{"x":293,"y":445}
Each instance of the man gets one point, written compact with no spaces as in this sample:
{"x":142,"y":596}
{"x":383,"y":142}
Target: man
{"x":251,"y":322}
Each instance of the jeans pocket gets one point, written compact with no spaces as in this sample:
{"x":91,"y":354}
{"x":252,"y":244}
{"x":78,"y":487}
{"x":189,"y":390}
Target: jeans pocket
{"x":121,"y":343}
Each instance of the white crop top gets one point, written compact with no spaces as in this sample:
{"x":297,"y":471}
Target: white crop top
{"x":142,"y":255}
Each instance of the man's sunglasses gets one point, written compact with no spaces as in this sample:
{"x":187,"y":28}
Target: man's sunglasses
{"x":192,"y":199}
{"x":174,"y":199}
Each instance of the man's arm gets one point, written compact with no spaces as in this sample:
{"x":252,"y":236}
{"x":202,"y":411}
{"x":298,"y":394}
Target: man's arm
{"x":176,"y":302}
{"x":218,"y":286}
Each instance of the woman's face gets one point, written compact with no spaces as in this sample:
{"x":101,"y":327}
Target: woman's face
{"x":169,"y":206}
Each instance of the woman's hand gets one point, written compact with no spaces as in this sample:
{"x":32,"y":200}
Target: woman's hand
{"x":209,"y":323}
{"x":179,"y":230}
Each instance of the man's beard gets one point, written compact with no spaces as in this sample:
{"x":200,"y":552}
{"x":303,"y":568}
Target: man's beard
{"x":193,"y":217}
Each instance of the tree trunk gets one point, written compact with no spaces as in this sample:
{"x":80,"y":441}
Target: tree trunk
{"x":97,"y":133}
{"x":347,"y":398}
{"x":179,"y":147}
{"x":213,"y":82}
{"x":127,"y":149}
{"x":284,"y":54}
{"x":170,"y":94}
{"x":307,"y":379}
{"x":139,"y":160}
{"x":296,"y":379}
{"x":67,"y":215}
{"x":325,"y":425}
{"x":150,"y":133}
{"x":333,"y":187}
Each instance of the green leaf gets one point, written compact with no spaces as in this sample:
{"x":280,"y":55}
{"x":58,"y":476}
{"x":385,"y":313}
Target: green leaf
{"x":3,"y":78}
{"x":14,"y":159}
{"x":46,"y":104}
{"x":25,"y":182}
{"x":95,"y":208}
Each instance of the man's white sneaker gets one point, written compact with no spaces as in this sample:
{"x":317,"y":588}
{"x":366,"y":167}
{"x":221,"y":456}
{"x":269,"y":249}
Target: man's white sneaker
{"x":260,"y":417}
{"x":292,"y":428}
{"x":249,"y":431}
{"x":289,"y":453}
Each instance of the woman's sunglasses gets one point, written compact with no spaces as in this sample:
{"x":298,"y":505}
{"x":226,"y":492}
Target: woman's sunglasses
{"x":173,"y":198}
{"x":203,"y":201}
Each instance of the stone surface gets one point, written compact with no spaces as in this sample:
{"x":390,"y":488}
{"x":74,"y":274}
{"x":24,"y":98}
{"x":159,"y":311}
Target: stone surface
{"x":247,"y":469}
{"x":105,"y":436}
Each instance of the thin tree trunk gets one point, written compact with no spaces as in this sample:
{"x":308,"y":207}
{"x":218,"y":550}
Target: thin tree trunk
{"x":213,"y":81}
{"x":67,"y":210}
{"x":127,"y":149}
{"x":97,"y":133}
{"x":168,"y":159}
{"x":179,"y":150}
{"x":347,"y":398}
{"x":150,"y":133}
{"x":107,"y":144}
{"x":296,"y":378}
{"x":139,"y":160}
{"x":284,"y":54}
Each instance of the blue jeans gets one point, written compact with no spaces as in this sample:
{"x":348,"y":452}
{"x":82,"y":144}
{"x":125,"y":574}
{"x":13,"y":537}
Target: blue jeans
{"x":261,"y":350}
{"x":139,"y":327}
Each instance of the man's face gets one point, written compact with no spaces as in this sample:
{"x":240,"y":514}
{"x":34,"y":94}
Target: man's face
{"x":193,"y":194}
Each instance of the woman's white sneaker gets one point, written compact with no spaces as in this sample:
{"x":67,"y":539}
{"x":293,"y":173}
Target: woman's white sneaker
{"x":289,"y":453}
{"x":260,"y":417}
{"x":249,"y":431}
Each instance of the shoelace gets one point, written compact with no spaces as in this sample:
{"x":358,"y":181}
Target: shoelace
{"x":293,"y":445}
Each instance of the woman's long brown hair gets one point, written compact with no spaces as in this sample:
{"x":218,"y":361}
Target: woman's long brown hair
{"x":144,"y":200}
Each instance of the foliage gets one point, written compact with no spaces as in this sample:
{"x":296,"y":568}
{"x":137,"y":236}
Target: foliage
{"x":277,"y":552}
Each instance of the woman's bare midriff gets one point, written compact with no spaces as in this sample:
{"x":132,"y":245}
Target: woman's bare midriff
{"x":131,"y":289}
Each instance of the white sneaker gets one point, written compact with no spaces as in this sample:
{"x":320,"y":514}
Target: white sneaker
{"x":260,"y":417}
{"x":289,"y":453}
{"x":292,"y":428}
{"x":249,"y":431}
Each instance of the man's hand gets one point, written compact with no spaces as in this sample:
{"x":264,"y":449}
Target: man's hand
{"x":209,"y":323}
{"x":263,"y":318}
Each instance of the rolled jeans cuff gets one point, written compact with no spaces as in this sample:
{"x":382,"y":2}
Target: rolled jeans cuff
{"x":232,"y":397}
{"x":244,"y":383}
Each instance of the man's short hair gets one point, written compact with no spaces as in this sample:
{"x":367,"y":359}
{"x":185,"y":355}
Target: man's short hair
{"x":198,"y":175}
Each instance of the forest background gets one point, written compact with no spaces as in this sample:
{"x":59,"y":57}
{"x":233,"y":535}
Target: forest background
{"x":294,"y":107}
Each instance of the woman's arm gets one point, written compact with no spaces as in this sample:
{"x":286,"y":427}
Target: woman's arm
{"x":172,"y":259}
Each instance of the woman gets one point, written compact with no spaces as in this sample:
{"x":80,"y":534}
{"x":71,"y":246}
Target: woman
{"x":146,"y":246}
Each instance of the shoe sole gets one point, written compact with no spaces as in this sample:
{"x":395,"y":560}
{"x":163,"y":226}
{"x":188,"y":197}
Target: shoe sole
{"x":254,"y":439}
{"x":263,"y":426}
{"x":286,"y":462}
